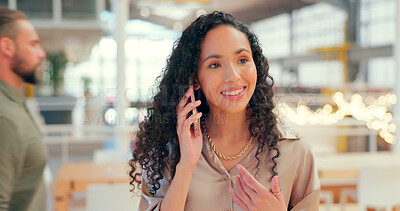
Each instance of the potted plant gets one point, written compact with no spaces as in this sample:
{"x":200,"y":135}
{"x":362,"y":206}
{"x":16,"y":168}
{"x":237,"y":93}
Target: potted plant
{"x":57,"y":63}
{"x":56,"y":108}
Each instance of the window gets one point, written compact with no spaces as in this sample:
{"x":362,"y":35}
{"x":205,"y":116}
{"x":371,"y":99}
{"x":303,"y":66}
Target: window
{"x":36,"y":9}
{"x":378,"y":19}
{"x":316,"y":26}
{"x":82,"y":9}
{"x":3,"y":3}
{"x":274,"y":35}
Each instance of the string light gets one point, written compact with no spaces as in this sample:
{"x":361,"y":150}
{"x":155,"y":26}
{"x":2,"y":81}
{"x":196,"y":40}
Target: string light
{"x":375,"y":113}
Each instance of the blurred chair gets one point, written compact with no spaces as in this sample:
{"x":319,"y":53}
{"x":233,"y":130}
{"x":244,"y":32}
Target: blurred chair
{"x":346,"y":193}
{"x":327,"y":197}
{"x":106,"y":197}
{"x":105,"y":156}
{"x":377,"y":187}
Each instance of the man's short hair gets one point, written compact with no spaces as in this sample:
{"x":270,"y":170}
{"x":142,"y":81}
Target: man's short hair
{"x":8,"y":18}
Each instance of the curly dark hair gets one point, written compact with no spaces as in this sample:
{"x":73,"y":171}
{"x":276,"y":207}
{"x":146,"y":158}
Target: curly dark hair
{"x":157,"y":147}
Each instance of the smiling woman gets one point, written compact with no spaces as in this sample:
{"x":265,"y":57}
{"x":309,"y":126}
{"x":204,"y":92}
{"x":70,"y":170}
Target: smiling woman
{"x":233,"y":164}
{"x":226,"y":71}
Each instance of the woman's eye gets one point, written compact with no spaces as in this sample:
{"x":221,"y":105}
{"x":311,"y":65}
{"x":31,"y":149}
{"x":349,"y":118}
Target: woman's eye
{"x":243,"y":61}
{"x":214,"y":65}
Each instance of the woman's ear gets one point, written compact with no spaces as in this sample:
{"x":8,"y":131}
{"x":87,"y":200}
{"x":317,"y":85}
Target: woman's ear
{"x":196,"y":84}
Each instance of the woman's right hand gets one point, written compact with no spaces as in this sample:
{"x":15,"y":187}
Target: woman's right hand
{"x":189,"y":144}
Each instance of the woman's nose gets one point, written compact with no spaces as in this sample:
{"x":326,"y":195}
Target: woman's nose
{"x":231,"y":73}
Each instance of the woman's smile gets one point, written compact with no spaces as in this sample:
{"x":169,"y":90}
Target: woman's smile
{"x":234,"y":93}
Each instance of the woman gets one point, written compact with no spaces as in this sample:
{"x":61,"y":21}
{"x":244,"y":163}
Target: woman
{"x":234,"y":162}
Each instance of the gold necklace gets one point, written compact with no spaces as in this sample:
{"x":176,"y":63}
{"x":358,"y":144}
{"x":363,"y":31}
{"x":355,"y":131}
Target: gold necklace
{"x":224,"y":156}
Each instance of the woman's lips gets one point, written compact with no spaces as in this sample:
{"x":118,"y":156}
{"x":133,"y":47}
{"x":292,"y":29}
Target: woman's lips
{"x":235,"y":93}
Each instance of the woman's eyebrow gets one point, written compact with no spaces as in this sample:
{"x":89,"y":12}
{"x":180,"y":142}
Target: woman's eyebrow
{"x":242,"y":49}
{"x":212,"y":56}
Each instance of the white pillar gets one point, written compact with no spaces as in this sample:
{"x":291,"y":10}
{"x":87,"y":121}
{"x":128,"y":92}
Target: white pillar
{"x":396,"y":55}
{"x":121,"y":11}
{"x":57,"y":11}
{"x":12,"y":4}
{"x":100,"y":7}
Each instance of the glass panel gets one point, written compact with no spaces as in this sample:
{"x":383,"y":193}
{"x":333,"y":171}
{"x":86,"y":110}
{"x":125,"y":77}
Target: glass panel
{"x":36,"y":9}
{"x":382,"y":73}
{"x":310,"y":74}
{"x":377,"y":17}
{"x":82,"y":9}
{"x":3,"y":3}
{"x":274,"y":35}
{"x":316,"y":26}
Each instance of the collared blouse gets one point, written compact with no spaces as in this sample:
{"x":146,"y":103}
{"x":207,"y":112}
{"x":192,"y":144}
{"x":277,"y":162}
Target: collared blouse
{"x":209,"y":187}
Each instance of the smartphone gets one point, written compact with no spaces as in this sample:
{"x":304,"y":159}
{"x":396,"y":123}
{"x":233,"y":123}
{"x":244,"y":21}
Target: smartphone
{"x":194,"y":111}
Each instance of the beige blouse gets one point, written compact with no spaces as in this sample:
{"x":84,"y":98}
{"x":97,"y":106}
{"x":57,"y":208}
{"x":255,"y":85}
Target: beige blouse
{"x":210,"y":182}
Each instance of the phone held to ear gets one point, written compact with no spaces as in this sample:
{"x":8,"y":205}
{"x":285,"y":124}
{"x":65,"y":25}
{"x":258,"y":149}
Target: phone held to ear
{"x":196,"y":122}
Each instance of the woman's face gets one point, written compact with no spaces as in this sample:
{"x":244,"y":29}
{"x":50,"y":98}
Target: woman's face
{"x":226,"y":73}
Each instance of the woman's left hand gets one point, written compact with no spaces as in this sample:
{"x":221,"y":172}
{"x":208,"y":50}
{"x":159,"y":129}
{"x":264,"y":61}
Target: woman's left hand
{"x":251,"y":195}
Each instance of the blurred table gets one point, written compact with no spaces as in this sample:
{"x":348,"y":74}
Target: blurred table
{"x":75,"y":176}
{"x":336,"y":171}
{"x":68,"y":134}
{"x":340,"y":170}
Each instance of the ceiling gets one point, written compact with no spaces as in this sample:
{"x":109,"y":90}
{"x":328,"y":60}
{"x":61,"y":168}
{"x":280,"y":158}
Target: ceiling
{"x":178,"y":14}
{"x":78,"y":38}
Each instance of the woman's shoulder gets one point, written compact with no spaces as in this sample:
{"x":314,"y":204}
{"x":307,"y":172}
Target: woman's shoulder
{"x":287,"y":133}
{"x":296,"y":154}
{"x":290,"y":140}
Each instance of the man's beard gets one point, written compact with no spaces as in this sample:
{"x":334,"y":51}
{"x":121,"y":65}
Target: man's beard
{"x":28,"y":75}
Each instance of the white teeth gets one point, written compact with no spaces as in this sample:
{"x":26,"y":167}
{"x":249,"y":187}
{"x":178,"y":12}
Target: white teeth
{"x":233,"y":92}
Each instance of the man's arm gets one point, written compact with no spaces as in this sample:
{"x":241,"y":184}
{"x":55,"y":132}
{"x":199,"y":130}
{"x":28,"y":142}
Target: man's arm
{"x":11,"y":155}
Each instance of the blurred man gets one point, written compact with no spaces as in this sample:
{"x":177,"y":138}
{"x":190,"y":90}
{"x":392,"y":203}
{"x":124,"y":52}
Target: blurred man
{"x":22,"y":153}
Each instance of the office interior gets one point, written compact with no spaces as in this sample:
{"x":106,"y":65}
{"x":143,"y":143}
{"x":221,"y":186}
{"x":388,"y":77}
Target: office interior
{"x":335,"y":64}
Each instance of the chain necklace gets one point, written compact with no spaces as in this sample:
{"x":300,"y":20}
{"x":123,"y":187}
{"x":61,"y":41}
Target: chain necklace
{"x":224,"y":156}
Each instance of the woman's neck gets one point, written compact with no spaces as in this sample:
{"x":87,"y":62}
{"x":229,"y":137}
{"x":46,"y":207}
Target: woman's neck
{"x":225,"y":127}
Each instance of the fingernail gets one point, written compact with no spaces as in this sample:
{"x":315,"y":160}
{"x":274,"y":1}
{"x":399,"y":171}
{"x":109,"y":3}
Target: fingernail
{"x":275,"y":178}
{"x":199,"y":115}
{"x":198,"y":102}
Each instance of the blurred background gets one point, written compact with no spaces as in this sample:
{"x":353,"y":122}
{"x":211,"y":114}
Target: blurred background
{"x":334,"y":62}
